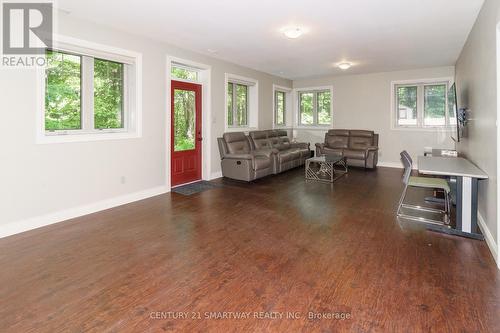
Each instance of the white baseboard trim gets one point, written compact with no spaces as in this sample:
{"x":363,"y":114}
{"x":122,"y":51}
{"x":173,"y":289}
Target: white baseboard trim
{"x":215,"y":175}
{"x":390,"y":165}
{"x":397,"y":165}
{"x":489,"y":238}
{"x":63,"y":215}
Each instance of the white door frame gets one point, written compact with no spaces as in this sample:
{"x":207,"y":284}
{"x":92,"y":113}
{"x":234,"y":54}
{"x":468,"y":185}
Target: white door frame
{"x":498,"y":144}
{"x":205,"y":74}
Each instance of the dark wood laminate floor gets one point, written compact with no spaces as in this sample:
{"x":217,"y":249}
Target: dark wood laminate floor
{"x":277,"y":245}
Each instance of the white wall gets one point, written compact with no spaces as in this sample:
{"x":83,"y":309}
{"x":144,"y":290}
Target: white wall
{"x":476,"y":75}
{"x":40,"y":180}
{"x":364,"y":102}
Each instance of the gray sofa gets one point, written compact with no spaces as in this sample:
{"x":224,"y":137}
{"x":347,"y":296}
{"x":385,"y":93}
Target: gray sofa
{"x":360,"y":147}
{"x":259,"y":154}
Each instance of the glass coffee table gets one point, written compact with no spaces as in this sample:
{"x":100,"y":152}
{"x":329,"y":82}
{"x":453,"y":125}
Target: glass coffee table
{"x":326,"y":168}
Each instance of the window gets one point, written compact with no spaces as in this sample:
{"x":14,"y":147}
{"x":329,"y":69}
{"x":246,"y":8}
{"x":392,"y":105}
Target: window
{"x":237,"y":104}
{"x":65,"y":94}
{"x":242,"y":103}
{"x":421,"y":105}
{"x":280,"y":108}
{"x":315,"y":108}
{"x":88,"y":92}
{"x":181,"y":72}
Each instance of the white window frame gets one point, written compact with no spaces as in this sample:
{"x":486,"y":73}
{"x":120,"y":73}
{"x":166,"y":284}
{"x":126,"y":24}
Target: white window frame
{"x":132,"y":99}
{"x":252,"y":100}
{"x":188,"y":68}
{"x":298,"y":125}
{"x":420,"y":83}
{"x":288,"y":107}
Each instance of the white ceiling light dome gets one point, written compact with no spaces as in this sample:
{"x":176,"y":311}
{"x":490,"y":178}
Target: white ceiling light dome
{"x":293,"y":32}
{"x":344,"y":65}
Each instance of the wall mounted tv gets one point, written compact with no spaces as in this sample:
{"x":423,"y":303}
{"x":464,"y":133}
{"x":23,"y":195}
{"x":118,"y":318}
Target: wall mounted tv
{"x":453,"y":113}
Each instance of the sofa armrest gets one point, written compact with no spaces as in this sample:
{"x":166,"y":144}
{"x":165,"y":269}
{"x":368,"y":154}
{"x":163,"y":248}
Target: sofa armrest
{"x":239,"y":156}
{"x":320,"y":145}
{"x":372,"y":148}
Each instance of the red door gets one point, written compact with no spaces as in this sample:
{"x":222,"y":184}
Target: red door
{"x":186,"y":132}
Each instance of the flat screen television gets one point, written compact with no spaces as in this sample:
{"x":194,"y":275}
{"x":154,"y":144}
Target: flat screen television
{"x":453,"y":113}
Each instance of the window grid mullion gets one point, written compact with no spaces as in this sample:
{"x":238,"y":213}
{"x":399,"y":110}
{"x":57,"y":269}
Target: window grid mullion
{"x":87,"y":93}
{"x":247,"y":103}
{"x":315,"y":108}
{"x":235,"y":119}
{"x":284,"y":108}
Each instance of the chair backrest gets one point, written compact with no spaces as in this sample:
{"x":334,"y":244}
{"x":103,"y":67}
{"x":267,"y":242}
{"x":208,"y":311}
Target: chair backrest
{"x":260,"y":139}
{"x":407,"y":163}
{"x":407,"y":156}
{"x":337,"y":138}
{"x":236,"y":143}
{"x":360,"y":139}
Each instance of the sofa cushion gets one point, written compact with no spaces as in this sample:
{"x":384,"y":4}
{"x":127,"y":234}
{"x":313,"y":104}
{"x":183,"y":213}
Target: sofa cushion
{"x":357,"y":154}
{"x":288,"y":155}
{"x":260,"y":140}
{"x":261,"y":162}
{"x":336,"y":141}
{"x":237,"y":143}
{"x":360,"y":142}
{"x":333,"y":151}
{"x":304,"y":152}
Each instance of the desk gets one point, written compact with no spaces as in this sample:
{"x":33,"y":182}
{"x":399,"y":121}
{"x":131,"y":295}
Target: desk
{"x":467,"y":175}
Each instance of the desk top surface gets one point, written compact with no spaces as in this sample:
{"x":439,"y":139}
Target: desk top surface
{"x":449,"y":166}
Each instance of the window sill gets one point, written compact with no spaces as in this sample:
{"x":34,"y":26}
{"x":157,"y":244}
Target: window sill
{"x":283,"y":127}
{"x":422,"y":129}
{"x":81,"y":137}
{"x":240,"y":129}
{"x":313,"y":128}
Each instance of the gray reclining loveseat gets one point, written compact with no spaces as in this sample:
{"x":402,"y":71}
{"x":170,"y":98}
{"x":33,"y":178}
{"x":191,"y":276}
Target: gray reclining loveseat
{"x":359,"y":147}
{"x":260,"y":154}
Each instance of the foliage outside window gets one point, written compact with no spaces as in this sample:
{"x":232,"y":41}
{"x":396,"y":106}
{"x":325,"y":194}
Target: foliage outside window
{"x":280,"y":107}
{"x":65,"y":93}
{"x":185,"y":119}
{"x":63,"y":105}
{"x":421,"y":105}
{"x":237,"y":104}
{"x":315,"y":108}
{"x":108,"y":94}
{"x":182,"y":73}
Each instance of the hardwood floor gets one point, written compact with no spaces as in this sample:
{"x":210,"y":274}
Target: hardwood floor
{"x":276,"y":246}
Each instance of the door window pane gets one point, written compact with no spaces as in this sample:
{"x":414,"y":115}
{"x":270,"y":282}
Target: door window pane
{"x":306,"y":108}
{"x":230,"y":104}
{"x":324,"y":108}
{"x":280,"y":107}
{"x":406,"y":99}
{"x":184,"y":73}
{"x":62,"y":91}
{"x":108,"y":94}
{"x":435,"y":105}
{"x":184,"y":119}
{"x":241,"y":104}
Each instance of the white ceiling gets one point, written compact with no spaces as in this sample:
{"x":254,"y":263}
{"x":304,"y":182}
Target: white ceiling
{"x":376,"y":36}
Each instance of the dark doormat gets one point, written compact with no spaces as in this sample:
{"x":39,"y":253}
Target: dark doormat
{"x":196,"y":187}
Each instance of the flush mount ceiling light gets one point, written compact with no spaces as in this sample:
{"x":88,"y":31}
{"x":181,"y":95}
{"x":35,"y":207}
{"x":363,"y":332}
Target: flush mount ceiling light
{"x":344,"y":65}
{"x":292,"y":32}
